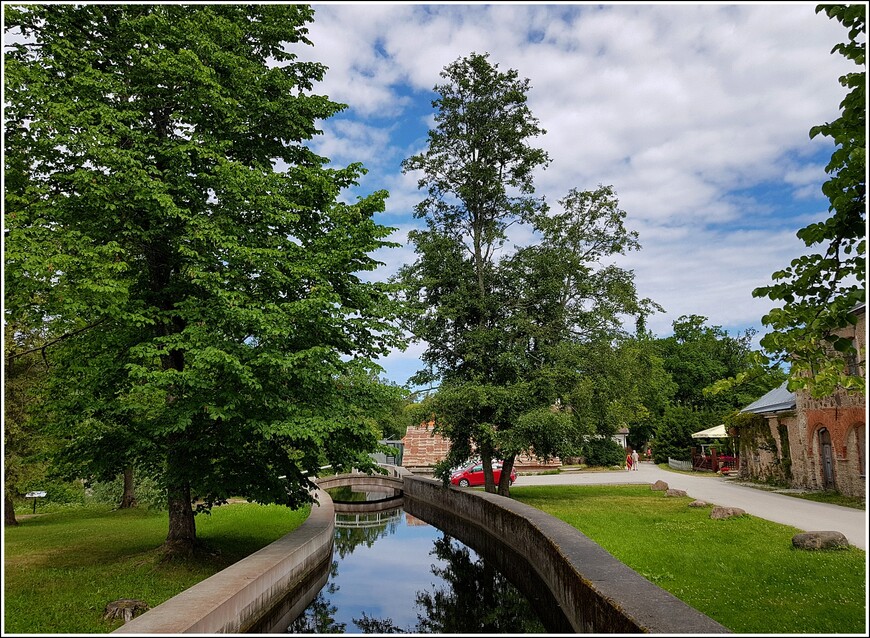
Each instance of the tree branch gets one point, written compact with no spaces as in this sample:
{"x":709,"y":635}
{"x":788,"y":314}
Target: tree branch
{"x":44,"y":346}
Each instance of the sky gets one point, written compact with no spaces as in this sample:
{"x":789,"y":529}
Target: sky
{"x":697,"y":114}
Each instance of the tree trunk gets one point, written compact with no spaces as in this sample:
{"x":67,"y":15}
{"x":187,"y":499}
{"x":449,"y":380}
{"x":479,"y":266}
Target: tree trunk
{"x":181,"y":539}
{"x":8,"y":510}
{"x":486,"y":461}
{"x":129,"y":497}
{"x":504,"y":482}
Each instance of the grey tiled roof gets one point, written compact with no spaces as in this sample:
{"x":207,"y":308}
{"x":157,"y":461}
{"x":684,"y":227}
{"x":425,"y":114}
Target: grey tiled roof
{"x":774,"y":401}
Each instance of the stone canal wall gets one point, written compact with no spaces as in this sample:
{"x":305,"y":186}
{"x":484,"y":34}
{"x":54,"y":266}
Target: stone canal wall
{"x":596,"y":592}
{"x":278,"y":581}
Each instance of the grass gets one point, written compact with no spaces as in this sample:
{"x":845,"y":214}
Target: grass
{"x":833,"y":498}
{"x":62,"y":568}
{"x":742,"y":572}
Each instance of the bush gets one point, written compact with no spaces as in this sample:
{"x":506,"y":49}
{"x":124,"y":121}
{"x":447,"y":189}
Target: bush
{"x":603,"y":452}
{"x":148,"y":493}
{"x":57,"y":492}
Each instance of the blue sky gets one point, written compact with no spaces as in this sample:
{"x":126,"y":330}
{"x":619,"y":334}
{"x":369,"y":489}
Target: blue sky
{"x":697,"y":114}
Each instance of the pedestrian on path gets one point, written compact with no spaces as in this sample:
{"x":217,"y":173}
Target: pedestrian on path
{"x":635,"y":459}
{"x":628,"y":461}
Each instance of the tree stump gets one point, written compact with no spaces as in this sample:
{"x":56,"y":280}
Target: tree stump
{"x":125,"y":608}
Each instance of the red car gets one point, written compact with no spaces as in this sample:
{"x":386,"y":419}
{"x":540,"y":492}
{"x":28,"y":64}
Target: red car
{"x":472,"y":475}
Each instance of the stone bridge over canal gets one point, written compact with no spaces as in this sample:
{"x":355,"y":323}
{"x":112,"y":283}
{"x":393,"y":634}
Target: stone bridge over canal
{"x":391,"y":484}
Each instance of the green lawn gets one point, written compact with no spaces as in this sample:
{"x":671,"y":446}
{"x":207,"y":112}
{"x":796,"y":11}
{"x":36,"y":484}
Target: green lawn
{"x":741,"y":572}
{"x":62,"y":568}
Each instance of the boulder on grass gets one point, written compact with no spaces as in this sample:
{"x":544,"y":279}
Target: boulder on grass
{"x":819,"y":540}
{"x":659,"y":486}
{"x":674,"y":492}
{"x":698,"y":504}
{"x":726,"y":512}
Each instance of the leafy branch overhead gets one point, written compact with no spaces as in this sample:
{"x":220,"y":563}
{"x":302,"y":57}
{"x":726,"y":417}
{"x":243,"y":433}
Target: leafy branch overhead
{"x":821,"y":291}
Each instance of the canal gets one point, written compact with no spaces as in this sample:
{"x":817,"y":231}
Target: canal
{"x":393,"y":571}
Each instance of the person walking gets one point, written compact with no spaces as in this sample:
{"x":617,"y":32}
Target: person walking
{"x":635,"y":459}
{"x":628,"y":461}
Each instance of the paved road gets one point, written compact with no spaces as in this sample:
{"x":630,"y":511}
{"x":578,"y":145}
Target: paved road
{"x":800,"y":513}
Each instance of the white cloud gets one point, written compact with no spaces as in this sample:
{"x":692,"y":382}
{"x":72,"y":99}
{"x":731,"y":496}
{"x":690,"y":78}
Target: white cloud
{"x":697,"y":114}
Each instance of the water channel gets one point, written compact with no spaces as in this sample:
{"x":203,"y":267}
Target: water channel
{"x":394,"y":571}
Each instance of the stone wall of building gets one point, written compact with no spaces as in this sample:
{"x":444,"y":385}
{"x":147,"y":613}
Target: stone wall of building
{"x":843,"y":416}
{"x":767,"y":455}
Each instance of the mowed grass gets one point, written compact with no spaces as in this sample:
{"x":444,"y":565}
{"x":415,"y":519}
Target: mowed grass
{"x":742,"y":572}
{"x":61,"y":569}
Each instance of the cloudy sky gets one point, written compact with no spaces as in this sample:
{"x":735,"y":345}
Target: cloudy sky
{"x":697,"y":114}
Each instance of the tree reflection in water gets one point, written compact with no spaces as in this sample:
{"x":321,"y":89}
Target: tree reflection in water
{"x":473,"y":597}
{"x":476,"y":598}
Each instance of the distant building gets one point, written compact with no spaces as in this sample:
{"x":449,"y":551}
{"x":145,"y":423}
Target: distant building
{"x":621,"y":437}
{"x":423,"y":448}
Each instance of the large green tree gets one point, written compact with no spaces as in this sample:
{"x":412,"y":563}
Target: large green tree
{"x":820,"y":291}
{"x":165,"y":215}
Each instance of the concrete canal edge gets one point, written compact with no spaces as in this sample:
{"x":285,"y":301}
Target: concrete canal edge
{"x":279,"y":580}
{"x":596,"y":592}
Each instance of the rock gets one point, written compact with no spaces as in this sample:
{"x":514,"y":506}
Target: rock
{"x":726,"y":512}
{"x":673,"y":492}
{"x":819,"y":540}
{"x":126,"y":608}
{"x":698,"y":504}
{"x":659,"y":485}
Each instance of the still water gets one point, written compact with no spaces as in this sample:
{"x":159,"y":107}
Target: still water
{"x":394,"y":573}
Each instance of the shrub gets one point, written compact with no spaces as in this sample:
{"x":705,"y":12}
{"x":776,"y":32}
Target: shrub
{"x":148,"y":493}
{"x":603,"y":452}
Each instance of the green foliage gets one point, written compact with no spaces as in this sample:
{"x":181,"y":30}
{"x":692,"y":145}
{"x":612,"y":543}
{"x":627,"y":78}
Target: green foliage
{"x":24,"y":444}
{"x":603,"y":452}
{"x":149,"y":494}
{"x":821,"y":291}
{"x":195,"y":262}
{"x":699,"y":357}
{"x":673,"y":435}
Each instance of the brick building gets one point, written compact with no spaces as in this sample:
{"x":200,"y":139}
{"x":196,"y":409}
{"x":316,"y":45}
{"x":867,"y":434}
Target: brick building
{"x":423,"y":448}
{"x":811,"y":443}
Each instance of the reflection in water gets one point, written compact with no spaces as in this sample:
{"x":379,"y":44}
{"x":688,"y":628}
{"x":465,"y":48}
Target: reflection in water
{"x":414,"y":579}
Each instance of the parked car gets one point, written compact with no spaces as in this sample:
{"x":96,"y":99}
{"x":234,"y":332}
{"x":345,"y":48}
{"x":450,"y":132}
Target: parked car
{"x":472,"y":475}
